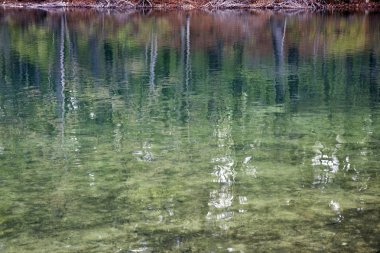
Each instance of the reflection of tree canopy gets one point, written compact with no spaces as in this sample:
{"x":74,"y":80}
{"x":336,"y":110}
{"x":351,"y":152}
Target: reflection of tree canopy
{"x":130,"y":50}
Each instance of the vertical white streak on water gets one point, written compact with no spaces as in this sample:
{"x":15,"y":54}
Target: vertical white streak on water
{"x":62,"y":76}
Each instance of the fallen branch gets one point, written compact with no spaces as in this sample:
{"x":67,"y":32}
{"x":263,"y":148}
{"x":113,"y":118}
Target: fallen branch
{"x":144,"y":4}
{"x":224,"y":4}
{"x":292,"y":4}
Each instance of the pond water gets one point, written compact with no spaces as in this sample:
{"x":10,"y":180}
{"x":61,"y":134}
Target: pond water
{"x":228,"y":131}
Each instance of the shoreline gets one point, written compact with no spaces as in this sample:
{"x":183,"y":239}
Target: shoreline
{"x":125,"y":5}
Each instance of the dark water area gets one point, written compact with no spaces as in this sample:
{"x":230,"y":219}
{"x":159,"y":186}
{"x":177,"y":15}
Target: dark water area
{"x":226,"y":131}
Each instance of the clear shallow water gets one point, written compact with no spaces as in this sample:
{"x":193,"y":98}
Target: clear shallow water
{"x":189,"y":132}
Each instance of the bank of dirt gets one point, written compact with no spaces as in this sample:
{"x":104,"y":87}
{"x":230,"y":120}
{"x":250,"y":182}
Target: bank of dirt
{"x":358,"y":5}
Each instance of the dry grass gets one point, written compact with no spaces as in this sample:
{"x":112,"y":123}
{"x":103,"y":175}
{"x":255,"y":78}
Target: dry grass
{"x":199,"y":4}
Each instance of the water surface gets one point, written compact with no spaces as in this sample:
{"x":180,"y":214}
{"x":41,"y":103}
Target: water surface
{"x":189,"y":131}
